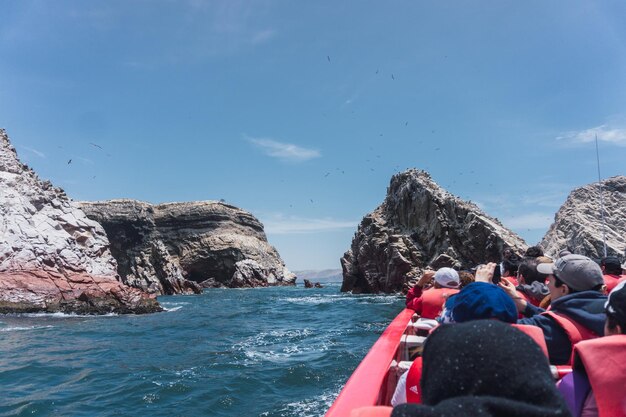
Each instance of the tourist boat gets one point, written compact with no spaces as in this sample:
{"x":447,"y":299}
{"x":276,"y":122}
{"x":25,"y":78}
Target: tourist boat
{"x":374,"y":380}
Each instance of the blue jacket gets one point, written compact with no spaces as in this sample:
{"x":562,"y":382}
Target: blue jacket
{"x":586,"y":308}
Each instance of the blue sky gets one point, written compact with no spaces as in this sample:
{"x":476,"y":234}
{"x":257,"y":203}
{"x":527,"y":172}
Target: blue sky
{"x":300,"y":112}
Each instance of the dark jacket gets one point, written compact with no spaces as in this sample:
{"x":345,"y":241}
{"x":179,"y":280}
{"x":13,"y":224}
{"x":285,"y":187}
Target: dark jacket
{"x":586,"y":308}
{"x":468,"y":371}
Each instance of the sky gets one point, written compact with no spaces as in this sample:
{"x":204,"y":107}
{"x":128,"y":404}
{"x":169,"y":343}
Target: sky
{"x":301,"y":112}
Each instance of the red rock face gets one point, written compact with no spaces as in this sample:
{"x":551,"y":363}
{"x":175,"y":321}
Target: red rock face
{"x":50,"y":291}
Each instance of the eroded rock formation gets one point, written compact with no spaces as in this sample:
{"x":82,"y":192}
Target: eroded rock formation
{"x":181,"y":247}
{"x":578,"y":224}
{"x":52,"y":257}
{"x":420,"y":224}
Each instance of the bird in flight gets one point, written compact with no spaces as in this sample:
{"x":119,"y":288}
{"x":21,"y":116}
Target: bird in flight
{"x":95,"y":144}
{"x":392,"y":77}
{"x":69,"y":162}
{"x":328,"y":58}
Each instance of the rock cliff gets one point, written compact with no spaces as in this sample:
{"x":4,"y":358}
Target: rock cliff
{"x":52,"y":257}
{"x":578,"y":223}
{"x":420,"y":224}
{"x":182,"y":247}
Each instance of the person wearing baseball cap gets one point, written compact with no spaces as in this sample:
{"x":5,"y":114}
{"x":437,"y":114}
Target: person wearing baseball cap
{"x":429,"y":303}
{"x":576,"y":313}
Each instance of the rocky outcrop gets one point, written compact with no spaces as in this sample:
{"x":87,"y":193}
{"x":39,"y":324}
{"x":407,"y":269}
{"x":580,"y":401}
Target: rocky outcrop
{"x":578,"y":224}
{"x":419,"y":224}
{"x":309,"y":284}
{"x":52,"y":257}
{"x":183,"y":247}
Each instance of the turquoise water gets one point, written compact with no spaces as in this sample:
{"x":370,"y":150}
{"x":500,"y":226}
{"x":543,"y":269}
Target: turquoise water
{"x":255,"y":352}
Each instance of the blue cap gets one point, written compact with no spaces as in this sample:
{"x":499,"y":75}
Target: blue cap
{"x":481,"y":300}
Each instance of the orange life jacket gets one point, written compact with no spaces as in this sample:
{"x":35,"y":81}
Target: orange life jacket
{"x":413,"y":389}
{"x":604,"y":359}
{"x":433,"y":301}
{"x":574,"y":330}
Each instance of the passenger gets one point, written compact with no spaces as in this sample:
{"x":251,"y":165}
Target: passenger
{"x":531,"y":282}
{"x":468,"y":371}
{"x":596,"y":387}
{"x":577,"y":305}
{"x":429,"y":303}
{"x":509,"y":269}
{"x":533,"y":252}
{"x":477,"y":301}
{"x":612,"y":270}
{"x":466,"y":278}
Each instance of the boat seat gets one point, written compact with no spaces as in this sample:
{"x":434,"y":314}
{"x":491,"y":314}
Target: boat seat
{"x":421,"y":327}
{"x":409,"y":346}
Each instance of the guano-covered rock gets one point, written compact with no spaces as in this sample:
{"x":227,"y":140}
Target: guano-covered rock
{"x":420,"y":224}
{"x":52,"y":257}
{"x":578,"y":225}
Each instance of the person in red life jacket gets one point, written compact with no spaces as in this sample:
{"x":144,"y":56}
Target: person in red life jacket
{"x":532,"y":282}
{"x":596,"y":387}
{"x":509,"y":269}
{"x":577,"y":305}
{"x":612,"y":271}
{"x":429,"y":303}
{"x":476,"y":301}
{"x":469,"y":370}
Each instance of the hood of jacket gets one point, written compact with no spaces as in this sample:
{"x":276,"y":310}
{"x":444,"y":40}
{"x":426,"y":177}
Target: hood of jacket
{"x":586,"y":308}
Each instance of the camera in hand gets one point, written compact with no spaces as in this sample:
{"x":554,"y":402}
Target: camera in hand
{"x":497,"y":275}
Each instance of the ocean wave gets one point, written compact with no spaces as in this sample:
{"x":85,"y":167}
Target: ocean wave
{"x":23,"y":328}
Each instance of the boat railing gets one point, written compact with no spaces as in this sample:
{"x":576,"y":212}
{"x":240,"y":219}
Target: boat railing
{"x":368,"y":384}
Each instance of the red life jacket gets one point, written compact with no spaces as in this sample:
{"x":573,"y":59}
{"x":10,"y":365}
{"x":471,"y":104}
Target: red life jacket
{"x":413,"y":389}
{"x":433,"y":301}
{"x":611,"y":281}
{"x":535,"y":333}
{"x":574,"y":330}
{"x":604,"y":359}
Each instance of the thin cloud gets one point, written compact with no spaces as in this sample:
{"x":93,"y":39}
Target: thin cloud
{"x":262,"y":36}
{"x":529,"y":221}
{"x":604,"y":133}
{"x":280,"y":225}
{"x":284,"y":151}
{"x":34,"y":151}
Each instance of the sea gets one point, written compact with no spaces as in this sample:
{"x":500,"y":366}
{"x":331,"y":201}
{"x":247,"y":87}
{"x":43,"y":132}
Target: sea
{"x":266,"y":352}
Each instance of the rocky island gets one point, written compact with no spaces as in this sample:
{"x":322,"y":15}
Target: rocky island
{"x":183,"y":247}
{"x":52,"y":257}
{"x":58,"y":255}
{"x":578,"y":225}
{"x":420,"y":224}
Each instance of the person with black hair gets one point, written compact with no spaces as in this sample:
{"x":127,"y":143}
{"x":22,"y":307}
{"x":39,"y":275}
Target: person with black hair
{"x":577,"y":305}
{"x":596,"y":387}
{"x":509,"y":269}
{"x":533,"y":252}
{"x":531,"y":283}
{"x":612,"y":270}
{"x":483,"y":380}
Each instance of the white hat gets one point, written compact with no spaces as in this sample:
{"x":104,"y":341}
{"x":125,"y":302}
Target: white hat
{"x":447,"y":277}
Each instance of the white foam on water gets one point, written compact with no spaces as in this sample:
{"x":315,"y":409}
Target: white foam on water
{"x":169,"y":310}
{"x":312,"y":407}
{"x":22,"y":328}
{"x":66,"y":315}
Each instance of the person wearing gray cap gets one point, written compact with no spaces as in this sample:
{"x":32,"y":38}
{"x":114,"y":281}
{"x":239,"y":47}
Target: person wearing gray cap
{"x":577,"y":313}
